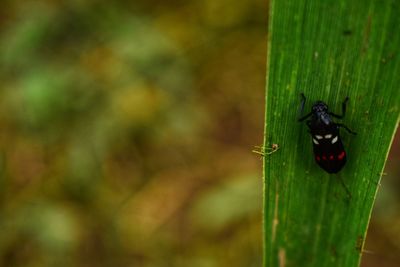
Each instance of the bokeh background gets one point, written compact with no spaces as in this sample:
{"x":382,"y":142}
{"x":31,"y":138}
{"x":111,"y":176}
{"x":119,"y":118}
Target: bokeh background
{"x":126,"y":131}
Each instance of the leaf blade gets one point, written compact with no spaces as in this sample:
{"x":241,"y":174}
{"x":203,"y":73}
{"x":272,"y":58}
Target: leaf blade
{"x":328,"y":50}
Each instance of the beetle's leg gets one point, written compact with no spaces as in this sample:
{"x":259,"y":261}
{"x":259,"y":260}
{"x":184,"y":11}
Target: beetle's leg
{"x":343,"y":110}
{"x":345,"y":187}
{"x":309,"y":126}
{"x":344,"y":126}
{"x":305,"y":117}
{"x":301,"y":108}
{"x":303,"y":101}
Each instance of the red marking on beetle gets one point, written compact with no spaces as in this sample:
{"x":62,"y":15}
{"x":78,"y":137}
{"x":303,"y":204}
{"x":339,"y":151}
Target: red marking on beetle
{"x":331,"y":157}
{"x":317,"y":158}
{"x":324,"y":157}
{"x":341,"y":155}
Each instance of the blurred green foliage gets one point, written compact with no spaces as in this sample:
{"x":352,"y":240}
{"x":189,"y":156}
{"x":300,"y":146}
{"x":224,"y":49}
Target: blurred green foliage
{"x":126,"y":132}
{"x":120,"y":123}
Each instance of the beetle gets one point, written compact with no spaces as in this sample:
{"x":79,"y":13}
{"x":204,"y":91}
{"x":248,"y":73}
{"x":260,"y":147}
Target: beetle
{"x":329,"y":152}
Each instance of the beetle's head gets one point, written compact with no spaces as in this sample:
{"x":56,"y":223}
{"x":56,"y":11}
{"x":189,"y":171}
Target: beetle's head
{"x":319,"y":107}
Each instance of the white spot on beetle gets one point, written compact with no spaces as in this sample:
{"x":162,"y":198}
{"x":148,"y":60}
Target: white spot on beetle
{"x":319,"y":137}
{"x":315,"y":141}
{"x":328,"y":136}
{"x":334,"y":140}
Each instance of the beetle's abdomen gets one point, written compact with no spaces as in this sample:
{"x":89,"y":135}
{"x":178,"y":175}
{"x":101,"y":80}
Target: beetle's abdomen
{"x":329,"y":152}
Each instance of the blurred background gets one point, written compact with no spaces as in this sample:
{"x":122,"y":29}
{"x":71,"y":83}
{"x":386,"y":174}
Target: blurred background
{"x":126,"y":132}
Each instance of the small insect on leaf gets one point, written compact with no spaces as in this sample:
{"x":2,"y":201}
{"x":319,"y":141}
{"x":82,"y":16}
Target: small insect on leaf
{"x":329,"y":152}
{"x":261,"y":150}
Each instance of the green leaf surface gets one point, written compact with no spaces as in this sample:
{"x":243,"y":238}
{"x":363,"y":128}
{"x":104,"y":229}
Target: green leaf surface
{"x":328,"y":50}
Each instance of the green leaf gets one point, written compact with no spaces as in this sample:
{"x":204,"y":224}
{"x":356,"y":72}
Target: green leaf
{"x":328,"y":50}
